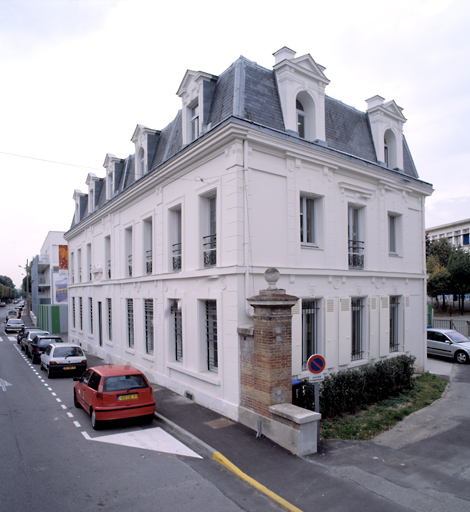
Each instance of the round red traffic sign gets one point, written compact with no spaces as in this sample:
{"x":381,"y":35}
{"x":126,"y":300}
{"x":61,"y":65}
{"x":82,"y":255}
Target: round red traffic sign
{"x":316,"y":363}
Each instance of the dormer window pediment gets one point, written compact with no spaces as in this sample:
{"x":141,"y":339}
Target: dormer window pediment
{"x":301,"y":81}
{"x":386,"y":122}
{"x":92,"y":192}
{"x":79,"y":198}
{"x":110,"y":165}
{"x":196,"y":91}
{"x":145,"y":140}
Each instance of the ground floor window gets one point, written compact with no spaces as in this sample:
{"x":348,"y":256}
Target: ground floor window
{"x":357,"y":326}
{"x":394,"y":322}
{"x":211,"y":335}
{"x":148,"y":311}
{"x":177,"y":327}
{"x":310,"y":317}
{"x":110,"y":319}
{"x":130,"y":323}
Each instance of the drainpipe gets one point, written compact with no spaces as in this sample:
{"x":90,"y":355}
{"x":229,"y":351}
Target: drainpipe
{"x":246,"y":241}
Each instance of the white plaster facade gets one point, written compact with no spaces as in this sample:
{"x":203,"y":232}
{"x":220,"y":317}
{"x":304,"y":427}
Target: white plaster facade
{"x":245,"y":184}
{"x":457,"y":233}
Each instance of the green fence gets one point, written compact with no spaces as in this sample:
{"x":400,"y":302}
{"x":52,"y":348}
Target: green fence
{"x":53,"y":319}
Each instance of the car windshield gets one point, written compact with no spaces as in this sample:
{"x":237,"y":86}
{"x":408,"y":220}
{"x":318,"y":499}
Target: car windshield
{"x":124,"y":382}
{"x":68,"y":351}
{"x":15,"y":321}
{"x":456,"y":337}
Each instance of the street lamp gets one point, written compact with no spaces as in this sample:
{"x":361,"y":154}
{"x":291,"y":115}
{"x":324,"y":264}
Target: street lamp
{"x":27,"y":284}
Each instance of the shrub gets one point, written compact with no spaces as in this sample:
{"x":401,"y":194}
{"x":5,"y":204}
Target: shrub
{"x":350,"y":390}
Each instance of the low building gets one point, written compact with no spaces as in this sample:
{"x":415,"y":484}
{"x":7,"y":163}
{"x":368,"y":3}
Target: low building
{"x":49,"y":280}
{"x":259,"y":168}
{"x":457,"y":233}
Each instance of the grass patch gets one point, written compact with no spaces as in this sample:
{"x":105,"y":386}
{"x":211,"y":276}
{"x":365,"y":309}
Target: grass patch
{"x":384,"y":415}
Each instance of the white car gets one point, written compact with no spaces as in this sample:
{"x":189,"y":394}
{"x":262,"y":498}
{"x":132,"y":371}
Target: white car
{"x":64,"y":358}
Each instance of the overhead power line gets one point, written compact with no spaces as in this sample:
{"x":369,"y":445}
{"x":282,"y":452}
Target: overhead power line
{"x":50,"y":161}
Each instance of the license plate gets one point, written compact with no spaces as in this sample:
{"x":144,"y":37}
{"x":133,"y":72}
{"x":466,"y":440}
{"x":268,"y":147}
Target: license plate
{"x":70,"y":367}
{"x":128,"y":397}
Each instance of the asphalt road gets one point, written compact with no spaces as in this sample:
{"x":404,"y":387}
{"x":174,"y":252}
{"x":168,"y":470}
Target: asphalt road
{"x":52,"y":460}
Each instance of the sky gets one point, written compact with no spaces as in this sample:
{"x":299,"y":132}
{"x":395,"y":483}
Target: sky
{"x":77,"y":76}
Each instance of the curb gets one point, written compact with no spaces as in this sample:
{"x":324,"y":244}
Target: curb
{"x":218,"y":457}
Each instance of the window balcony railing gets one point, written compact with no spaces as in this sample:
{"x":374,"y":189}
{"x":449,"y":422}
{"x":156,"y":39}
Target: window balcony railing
{"x":108,"y":269}
{"x":356,"y":254}
{"x":177,"y":257}
{"x":210,"y":250}
{"x":148,"y":261}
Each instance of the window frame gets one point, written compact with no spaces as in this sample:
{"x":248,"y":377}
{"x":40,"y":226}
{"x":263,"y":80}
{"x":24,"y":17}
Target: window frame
{"x":210,"y":310}
{"x":130,"y":323}
{"x":308,"y":220}
{"x":310,"y":325}
{"x":149,"y":326}
{"x":357,"y":328}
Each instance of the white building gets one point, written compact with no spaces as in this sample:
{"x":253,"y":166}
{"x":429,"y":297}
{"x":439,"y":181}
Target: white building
{"x":258,"y":169}
{"x":457,"y":233}
{"x":49,"y":277}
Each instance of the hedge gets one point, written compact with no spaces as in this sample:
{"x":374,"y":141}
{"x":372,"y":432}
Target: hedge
{"x":350,"y":390}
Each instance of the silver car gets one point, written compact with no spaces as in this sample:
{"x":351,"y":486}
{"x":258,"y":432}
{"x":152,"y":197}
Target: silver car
{"x":449,"y":343}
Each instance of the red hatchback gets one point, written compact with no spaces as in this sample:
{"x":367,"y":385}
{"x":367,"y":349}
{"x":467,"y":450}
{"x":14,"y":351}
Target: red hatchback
{"x":114,"y":392}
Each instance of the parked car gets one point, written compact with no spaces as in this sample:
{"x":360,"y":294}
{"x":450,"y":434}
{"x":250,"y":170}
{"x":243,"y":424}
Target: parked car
{"x":2,"y":304}
{"x":14,"y":325}
{"x":449,"y":343}
{"x":114,"y":392}
{"x":39,"y":344}
{"x":12,"y":313}
{"x":65,"y":358}
{"x":27,"y":336}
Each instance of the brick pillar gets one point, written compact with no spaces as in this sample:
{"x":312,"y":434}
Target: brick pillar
{"x":266,"y":369}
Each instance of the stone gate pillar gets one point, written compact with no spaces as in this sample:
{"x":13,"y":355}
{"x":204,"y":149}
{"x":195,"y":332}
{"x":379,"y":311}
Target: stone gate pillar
{"x":266,"y":373}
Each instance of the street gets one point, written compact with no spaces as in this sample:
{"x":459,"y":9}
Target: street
{"x":52,"y":460}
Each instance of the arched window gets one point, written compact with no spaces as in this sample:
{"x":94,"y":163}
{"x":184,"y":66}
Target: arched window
{"x":300,"y":119}
{"x":305,"y":115}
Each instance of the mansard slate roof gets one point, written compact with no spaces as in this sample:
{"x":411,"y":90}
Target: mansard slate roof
{"x":249,"y":92}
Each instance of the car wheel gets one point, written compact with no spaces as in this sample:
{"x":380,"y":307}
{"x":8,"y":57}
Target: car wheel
{"x":49,"y":373}
{"x":42,"y":367}
{"x":33,"y":359}
{"x":461,"y":357}
{"x":94,"y":422}
{"x":75,"y":401}
{"x":148,"y":419}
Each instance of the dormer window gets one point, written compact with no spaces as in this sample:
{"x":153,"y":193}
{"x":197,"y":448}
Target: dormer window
{"x":390,"y":150}
{"x":194,"y":122}
{"x":141,"y":163}
{"x":300,"y":119}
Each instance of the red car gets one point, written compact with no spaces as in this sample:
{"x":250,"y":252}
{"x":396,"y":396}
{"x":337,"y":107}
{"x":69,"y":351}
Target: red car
{"x":114,"y":392}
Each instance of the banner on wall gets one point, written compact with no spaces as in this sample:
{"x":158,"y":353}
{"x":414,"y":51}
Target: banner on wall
{"x":60,"y":289}
{"x":63,"y":257}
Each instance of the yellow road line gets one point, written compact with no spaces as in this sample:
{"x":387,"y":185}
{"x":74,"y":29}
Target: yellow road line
{"x":225,"y":462}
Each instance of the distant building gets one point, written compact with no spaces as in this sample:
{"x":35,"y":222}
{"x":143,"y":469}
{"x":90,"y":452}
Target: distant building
{"x":49,"y":284}
{"x":457,"y":233}
{"x":259,"y":168}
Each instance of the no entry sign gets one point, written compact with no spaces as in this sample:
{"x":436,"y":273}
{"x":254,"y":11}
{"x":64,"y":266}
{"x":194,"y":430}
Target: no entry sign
{"x":316,"y":364}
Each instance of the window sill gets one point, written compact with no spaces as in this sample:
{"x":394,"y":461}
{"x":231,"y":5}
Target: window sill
{"x":207,"y":376}
{"x":309,"y":246}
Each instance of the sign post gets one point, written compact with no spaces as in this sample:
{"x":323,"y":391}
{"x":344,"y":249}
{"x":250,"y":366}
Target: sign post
{"x":316,"y":365}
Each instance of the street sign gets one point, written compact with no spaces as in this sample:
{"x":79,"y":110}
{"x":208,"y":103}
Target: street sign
{"x":317,"y":378}
{"x":316,"y":364}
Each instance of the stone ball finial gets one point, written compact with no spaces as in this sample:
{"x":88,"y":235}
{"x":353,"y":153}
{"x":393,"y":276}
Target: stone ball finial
{"x":272,"y":277}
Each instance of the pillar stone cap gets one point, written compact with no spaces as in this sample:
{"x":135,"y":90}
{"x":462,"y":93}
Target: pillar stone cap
{"x":272,"y":295}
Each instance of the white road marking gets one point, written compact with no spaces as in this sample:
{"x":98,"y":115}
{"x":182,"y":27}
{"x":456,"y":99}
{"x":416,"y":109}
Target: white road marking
{"x":154,"y":439}
{"x":59,"y":400}
{"x":64,"y":406}
{"x":77,"y":424}
{"x":12,"y":338}
{"x":70,"y":415}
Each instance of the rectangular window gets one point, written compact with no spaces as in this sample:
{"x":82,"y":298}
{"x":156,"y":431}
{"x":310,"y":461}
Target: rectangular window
{"x":73,"y":312}
{"x":392,"y":234}
{"x":72,"y":267}
{"x":148,"y":310}
{"x":307,"y":221}
{"x":310,"y":318}
{"x":88,"y":261}
{"x":394,"y":322}
{"x":128,"y":251}
{"x":357,"y":333}
{"x":465,"y":239}
{"x":210,"y":240}
{"x":107,"y":256}
{"x":81,"y":312}
{"x":148,"y":263}
{"x":175,"y":240}
{"x":90,"y":303}
{"x":355,"y":244}
{"x":211,"y":335}
{"x":177,"y":326}
{"x":79,"y":265}
{"x":130,"y":323}
{"x":100,"y":324}
{"x":110,"y":319}
{"x":194,"y":122}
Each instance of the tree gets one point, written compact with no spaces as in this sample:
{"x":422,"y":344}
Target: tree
{"x":441,"y":249}
{"x":459,"y":271}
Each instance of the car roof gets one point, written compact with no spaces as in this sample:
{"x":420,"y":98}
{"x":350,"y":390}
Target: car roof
{"x":441,"y":330}
{"x":65,"y":345}
{"x":115,"y":369}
